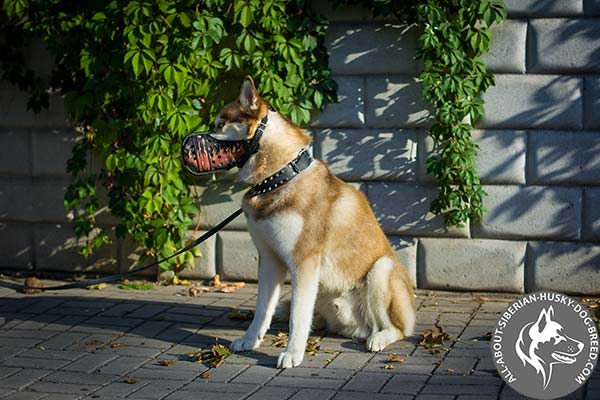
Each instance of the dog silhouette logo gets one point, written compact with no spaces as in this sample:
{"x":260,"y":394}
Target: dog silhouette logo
{"x":545,"y":345}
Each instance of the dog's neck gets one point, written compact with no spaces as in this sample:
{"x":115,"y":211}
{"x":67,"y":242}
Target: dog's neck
{"x":280,"y":143}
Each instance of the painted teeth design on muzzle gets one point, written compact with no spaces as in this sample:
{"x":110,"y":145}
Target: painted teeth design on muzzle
{"x":202,"y":153}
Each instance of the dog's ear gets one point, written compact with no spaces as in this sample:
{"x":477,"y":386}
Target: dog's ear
{"x":248,"y":96}
{"x":544,"y":318}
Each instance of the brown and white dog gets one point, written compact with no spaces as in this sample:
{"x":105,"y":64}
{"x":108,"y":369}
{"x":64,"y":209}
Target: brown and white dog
{"x":323,"y":232}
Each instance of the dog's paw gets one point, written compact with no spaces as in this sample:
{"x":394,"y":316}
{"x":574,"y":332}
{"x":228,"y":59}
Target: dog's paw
{"x":244,"y":344}
{"x":290,"y":359}
{"x":378,"y":341}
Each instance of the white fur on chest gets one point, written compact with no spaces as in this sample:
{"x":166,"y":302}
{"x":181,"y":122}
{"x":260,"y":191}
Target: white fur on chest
{"x":279,"y":232}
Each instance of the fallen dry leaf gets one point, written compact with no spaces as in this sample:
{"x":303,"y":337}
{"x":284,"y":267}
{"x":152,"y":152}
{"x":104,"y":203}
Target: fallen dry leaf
{"x":205,"y":375}
{"x":433,"y":339}
{"x":215,"y":356}
{"x":33,"y":282}
{"x":244,"y":315}
{"x":93,"y":343}
{"x":450,"y":370}
{"x":280,"y":340}
{"x":313,"y":345}
{"x":225,"y":287}
{"x":481,"y":298}
{"x":395,"y":358}
{"x":131,"y":381}
{"x":99,"y":286}
{"x":166,"y":363}
{"x":387,"y":366}
{"x":117,"y":345}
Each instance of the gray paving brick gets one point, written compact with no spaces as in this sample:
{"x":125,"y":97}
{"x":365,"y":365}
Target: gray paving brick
{"x":66,"y":388}
{"x":273,"y":393}
{"x":226,"y":372}
{"x":456,"y":264}
{"x":157,"y":389}
{"x":310,"y":394}
{"x":533,"y":101}
{"x":351,"y":49}
{"x":256,"y":374}
{"x":19,"y":342}
{"x":372,"y":396}
{"x":544,"y":8}
{"x":507,"y":48}
{"x":164,"y":373}
{"x":350,"y":111}
{"x":63,"y":340}
{"x":563,"y":45}
{"x":36,"y":363}
{"x":317,"y":373}
{"x":411,"y":365}
{"x":22,"y":378}
{"x":350,"y":360}
{"x":403,"y":384}
{"x":396,"y":102}
{"x":461,"y":389}
{"x":119,"y":389}
{"x":17,"y":161}
{"x":567,"y":158}
{"x":358,"y":155}
{"x":78,"y":378}
{"x":367,"y":382}
{"x":565,"y":267}
{"x":530,"y":212}
{"x":89,"y":362}
{"x":453,"y":366}
{"x":306,"y":382}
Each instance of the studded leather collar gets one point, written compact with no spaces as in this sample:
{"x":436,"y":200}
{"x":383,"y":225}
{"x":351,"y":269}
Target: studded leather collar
{"x":284,"y":175}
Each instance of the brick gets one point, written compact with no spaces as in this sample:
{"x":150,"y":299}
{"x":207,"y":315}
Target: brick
{"x":121,"y":365}
{"x":272,"y":393}
{"x":563,"y":267}
{"x":349,"y":112}
{"x":366,"y":382}
{"x":311,"y":394}
{"x":205,"y":266}
{"x":16,"y":250}
{"x":319,"y":373}
{"x":256,"y":374}
{"x":458,"y":264}
{"x":237,"y":256}
{"x":219,"y":199}
{"x":350,"y":360}
{"x":371,"y":396}
{"x":61,"y":387}
{"x":51,"y":148}
{"x":352,"y":51}
{"x":17,"y":161}
{"x":402,"y":384}
{"x":543,"y":8}
{"x":591,"y":102}
{"x":591,"y":214}
{"x":563,"y":45}
{"x":119,"y":389}
{"x":533,"y":101}
{"x":89,"y":363}
{"x":500,"y":156}
{"x":507,"y":48}
{"x":517,"y":212}
{"x":406,"y":251}
{"x":404,"y":209}
{"x":563,"y":158}
{"x":306,"y":382}
{"x":22,"y":378}
{"x":395,"y":102}
{"x":13,"y":110}
{"x":57,"y":250}
{"x":359,"y":155}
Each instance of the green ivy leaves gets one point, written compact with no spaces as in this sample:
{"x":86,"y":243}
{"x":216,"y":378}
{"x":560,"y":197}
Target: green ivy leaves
{"x":139,"y":75}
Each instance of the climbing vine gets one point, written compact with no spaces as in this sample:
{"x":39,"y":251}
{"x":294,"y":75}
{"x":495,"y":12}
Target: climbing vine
{"x":455,"y":34}
{"x":137,"y":76}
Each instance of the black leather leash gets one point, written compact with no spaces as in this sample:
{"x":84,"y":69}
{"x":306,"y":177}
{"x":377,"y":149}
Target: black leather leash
{"x":123,"y":275}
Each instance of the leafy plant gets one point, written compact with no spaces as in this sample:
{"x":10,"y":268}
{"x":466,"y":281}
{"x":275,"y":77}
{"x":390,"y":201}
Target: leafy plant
{"x":139,"y":75}
{"x":455,"y":34}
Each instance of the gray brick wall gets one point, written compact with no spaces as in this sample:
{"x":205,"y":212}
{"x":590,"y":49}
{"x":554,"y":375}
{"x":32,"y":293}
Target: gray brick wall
{"x":539,"y":159}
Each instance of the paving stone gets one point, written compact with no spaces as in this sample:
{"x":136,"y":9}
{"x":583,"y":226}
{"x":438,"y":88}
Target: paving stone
{"x":17,"y":161}
{"x":372,"y":396}
{"x":273,"y":393}
{"x":568,"y":158}
{"x":405,"y":384}
{"x":350,"y":110}
{"x":456,"y":264}
{"x":89,"y":363}
{"x":591,"y":214}
{"x":507,"y":48}
{"x":350,"y":360}
{"x":533,"y":101}
{"x":411,"y":365}
{"x":66,"y":388}
{"x":163,"y":373}
{"x":158,"y":389}
{"x":306,"y":382}
{"x":563,"y":45}
{"x":19,"y":342}
{"x":564,"y":267}
{"x":366,"y":382}
{"x":238,"y":257}
{"x":396,"y":102}
{"x":22,"y":378}
{"x":461,"y":389}
{"x":37,"y":363}
{"x":256,"y":374}
{"x":119,"y":389}
{"x":516,"y":212}
{"x":351,"y":49}
{"x":311,"y":394}
{"x":454,"y":366}
{"x":404,"y":209}
{"x":359,"y":155}
{"x":544,"y":8}
{"x":226,"y":372}
{"x":318,"y":373}
{"x":78,"y":378}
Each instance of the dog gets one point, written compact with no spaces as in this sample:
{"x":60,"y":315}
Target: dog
{"x":543,"y":344}
{"x":319,"y":229}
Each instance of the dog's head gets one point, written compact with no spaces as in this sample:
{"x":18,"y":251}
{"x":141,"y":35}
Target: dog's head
{"x":544,"y":343}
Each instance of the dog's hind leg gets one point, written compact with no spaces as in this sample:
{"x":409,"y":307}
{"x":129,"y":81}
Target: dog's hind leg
{"x":271,"y":274}
{"x":382,"y":302}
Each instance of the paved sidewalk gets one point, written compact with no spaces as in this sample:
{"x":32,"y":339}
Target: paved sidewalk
{"x":114,"y":344}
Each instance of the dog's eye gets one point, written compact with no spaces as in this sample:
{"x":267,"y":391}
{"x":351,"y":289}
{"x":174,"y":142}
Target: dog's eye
{"x":220,"y":125}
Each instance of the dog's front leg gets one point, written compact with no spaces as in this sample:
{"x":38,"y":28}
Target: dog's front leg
{"x":270,"y":277}
{"x":305,"y":284}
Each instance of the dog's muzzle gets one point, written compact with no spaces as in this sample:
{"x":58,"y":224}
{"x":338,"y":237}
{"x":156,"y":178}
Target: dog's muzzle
{"x":202,"y":153}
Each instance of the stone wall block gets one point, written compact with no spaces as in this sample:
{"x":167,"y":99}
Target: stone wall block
{"x":591,"y":8}
{"x":563,"y":45}
{"x":404,"y":209}
{"x":204,"y":265}
{"x":342,"y":13}
{"x":518,"y":212}
{"x":15,"y":158}
{"x":563,"y":267}
{"x":352,"y":50}
{"x":461,"y":264}
{"x":395,"y":102}
{"x":533,"y":101}
{"x":567,"y":158}
{"x":591,"y":214}
{"x":350,"y":111}
{"x":16,"y":251}
{"x":507,"y":48}
{"x":356,"y":155}
{"x":406,"y":251}
{"x":218,"y":200}
{"x":13,"y":110}
{"x":51,"y":148}
{"x":591,"y":118}
{"x":237,"y":257}
{"x":544,"y":8}
{"x":16,"y":199}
